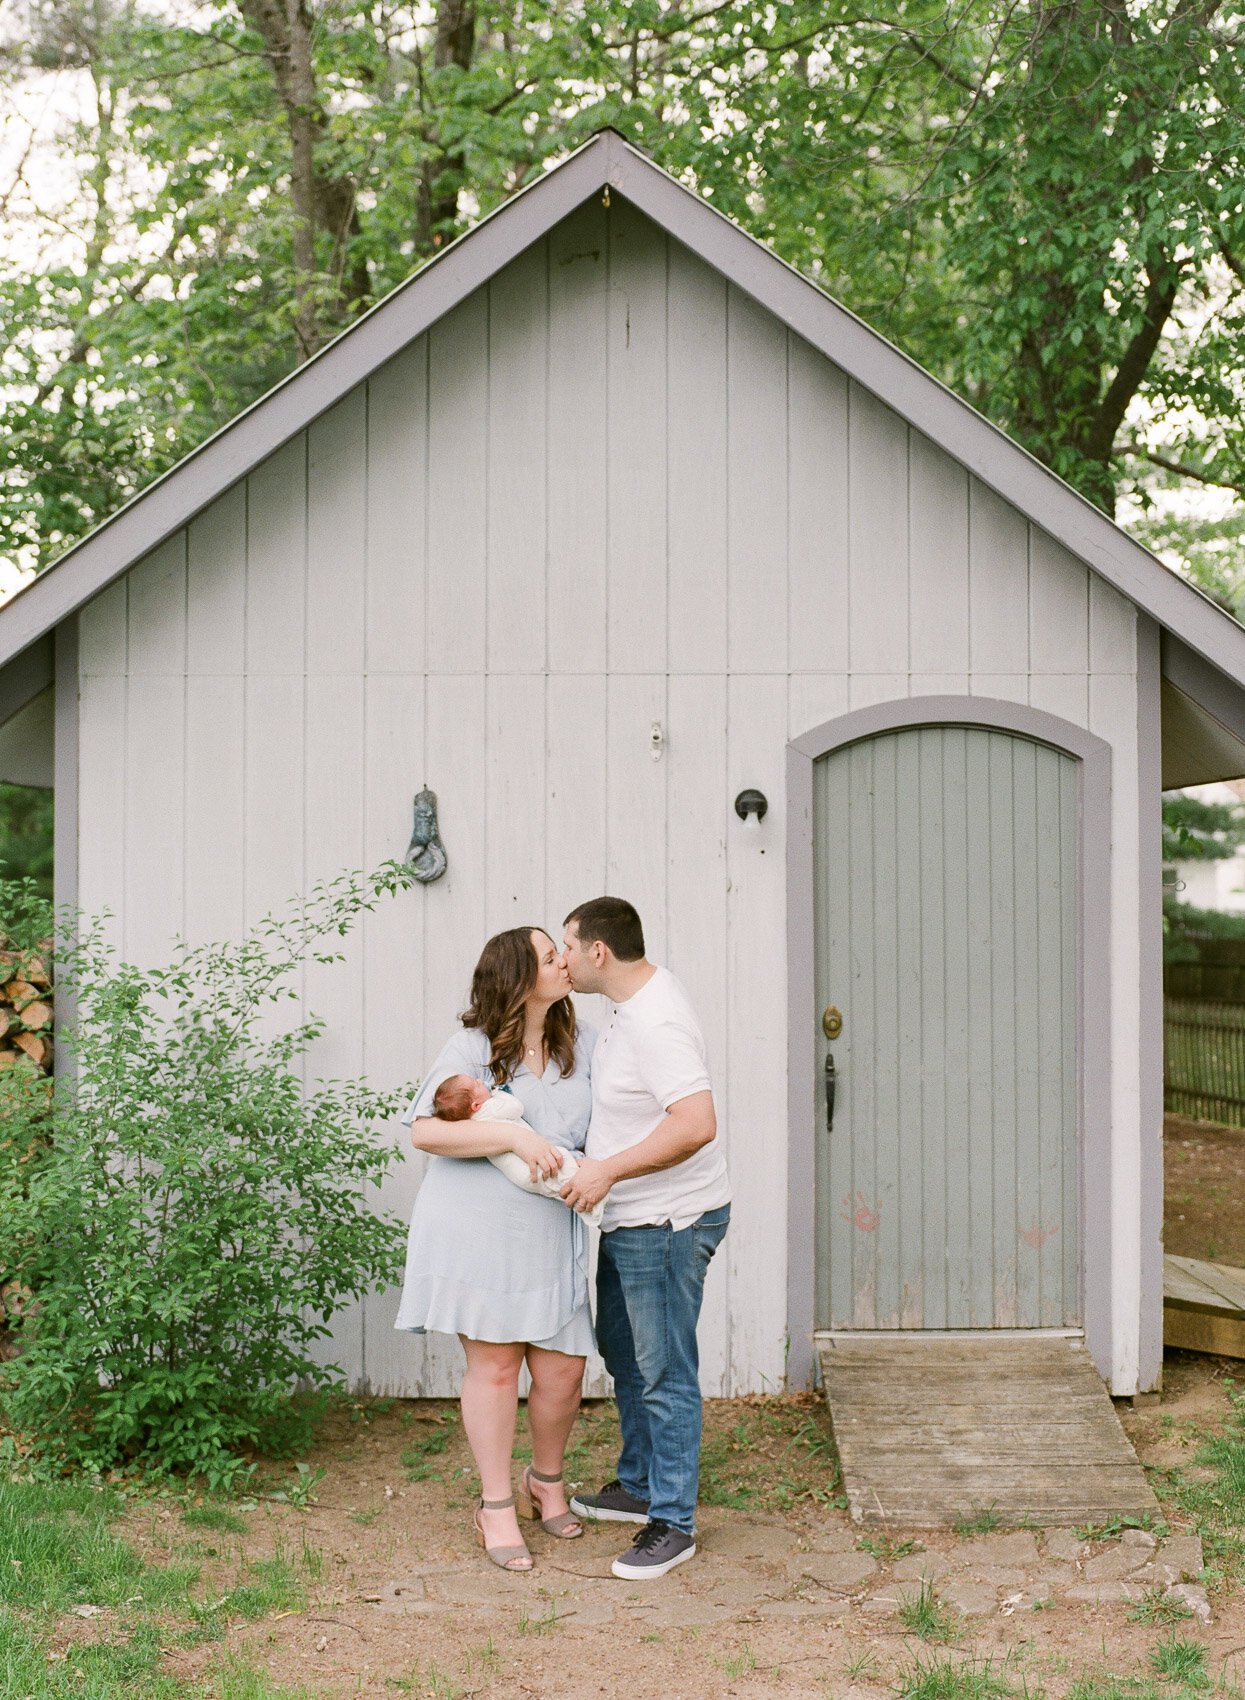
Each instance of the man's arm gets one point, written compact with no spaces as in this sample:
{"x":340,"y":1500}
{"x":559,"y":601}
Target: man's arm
{"x":687,"y":1125}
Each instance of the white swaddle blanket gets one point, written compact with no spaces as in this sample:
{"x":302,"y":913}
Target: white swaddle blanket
{"x":505,"y":1107}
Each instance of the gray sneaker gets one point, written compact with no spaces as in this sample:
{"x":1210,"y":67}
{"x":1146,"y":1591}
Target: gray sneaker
{"x":612,"y":1505}
{"x":656,"y":1549}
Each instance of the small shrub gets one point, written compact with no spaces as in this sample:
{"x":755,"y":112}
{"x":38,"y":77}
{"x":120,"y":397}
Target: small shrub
{"x":197,"y":1215}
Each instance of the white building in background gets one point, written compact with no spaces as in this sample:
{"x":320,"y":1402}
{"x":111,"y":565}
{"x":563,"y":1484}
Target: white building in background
{"x":1212,"y":885}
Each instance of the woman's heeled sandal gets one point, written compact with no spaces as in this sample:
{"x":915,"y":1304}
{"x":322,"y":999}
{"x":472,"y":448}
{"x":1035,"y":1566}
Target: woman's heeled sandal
{"x":505,"y":1558}
{"x":565,"y":1525}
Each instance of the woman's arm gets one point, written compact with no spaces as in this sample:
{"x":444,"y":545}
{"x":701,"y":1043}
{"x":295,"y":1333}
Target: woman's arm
{"x":486,"y":1139}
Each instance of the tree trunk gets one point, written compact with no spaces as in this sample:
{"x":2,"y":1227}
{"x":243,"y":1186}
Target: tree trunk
{"x":442,"y":177}
{"x":322,"y":204}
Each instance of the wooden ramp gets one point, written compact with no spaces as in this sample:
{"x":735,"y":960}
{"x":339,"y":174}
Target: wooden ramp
{"x":936,"y":1427}
{"x":1203,"y":1306}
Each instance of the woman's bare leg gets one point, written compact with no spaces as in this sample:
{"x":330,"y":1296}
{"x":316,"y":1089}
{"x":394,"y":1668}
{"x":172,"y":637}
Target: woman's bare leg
{"x":490,"y":1400}
{"x":552,"y":1406}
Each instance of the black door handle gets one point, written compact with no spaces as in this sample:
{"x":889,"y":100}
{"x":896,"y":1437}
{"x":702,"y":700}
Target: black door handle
{"x":830,"y":1083}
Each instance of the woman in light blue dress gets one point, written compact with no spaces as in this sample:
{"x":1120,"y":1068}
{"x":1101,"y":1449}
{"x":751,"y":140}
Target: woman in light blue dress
{"x":505,"y":1269}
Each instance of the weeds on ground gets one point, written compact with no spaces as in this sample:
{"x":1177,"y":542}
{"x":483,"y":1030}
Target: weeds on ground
{"x":1112,"y":1526}
{"x":300,"y":1492}
{"x":1211,"y":1492}
{"x":431,"y":1683}
{"x":886,"y":1549}
{"x":529,"y":1625}
{"x":951,"y":1679}
{"x":417,"y":1457}
{"x":1177,"y":1659}
{"x":978,"y":1520}
{"x":735,"y":1665}
{"x":928,"y":1618}
{"x":779,"y":1453}
{"x":216,"y":1517}
{"x":1157,"y":1607}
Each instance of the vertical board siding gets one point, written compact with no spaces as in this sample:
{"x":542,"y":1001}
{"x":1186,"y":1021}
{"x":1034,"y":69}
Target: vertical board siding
{"x":607,"y":491}
{"x":877,"y":537}
{"x":935,"y":848}
{"x":517,"y":522}
{"x":578,"y":454}
{"x":696,"y":476}
{"x":636,"y":475}
{"x":756,"y":495}
{"x":817,"y":489}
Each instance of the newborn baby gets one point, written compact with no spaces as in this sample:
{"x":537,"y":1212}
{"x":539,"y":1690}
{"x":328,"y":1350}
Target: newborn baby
{"x":460,"y":1098}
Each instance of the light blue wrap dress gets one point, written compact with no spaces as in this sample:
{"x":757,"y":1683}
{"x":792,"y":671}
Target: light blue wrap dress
{"x":485,"y":1258}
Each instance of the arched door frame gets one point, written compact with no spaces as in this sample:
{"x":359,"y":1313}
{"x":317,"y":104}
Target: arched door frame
{"x":1093,"y":757}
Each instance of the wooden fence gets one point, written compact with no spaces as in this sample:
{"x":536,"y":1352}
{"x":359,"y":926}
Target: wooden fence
{"x":1204,"y":1059}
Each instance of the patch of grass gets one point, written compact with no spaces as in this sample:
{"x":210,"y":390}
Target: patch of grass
{"x":432,"y":1683}
{"x":417,"y":1458}
{"x":365,"y":1519}
{"x":1113,"y":1526}
{"x":57,"y":1548}
{"x":862,"y":1667}
{"x":951,"y":1679}
{"x":529,"y":1625}
{"x":486,"y":1657}
{"x":1177,"y":1659}
{"x":1102,"y":1685}
{"x":273,"y":1587}
{"x":1212,"y":1492}
{"x":772,"y":1455}
{"x":1157,"y":1607}
{"x":735,"y":1665}
{"x":928,"y":1618}
{"x":979,"y":1520}
{"x":313,"y":1560}
{"x":217,"y":1517}
{"x":885,"y":1549}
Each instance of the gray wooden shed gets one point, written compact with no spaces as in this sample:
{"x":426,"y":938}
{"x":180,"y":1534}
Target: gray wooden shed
{"x":604,"y":517}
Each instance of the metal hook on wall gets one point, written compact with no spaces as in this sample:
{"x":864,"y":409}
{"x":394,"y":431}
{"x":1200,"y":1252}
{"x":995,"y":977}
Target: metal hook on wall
{"x":426,"y":853}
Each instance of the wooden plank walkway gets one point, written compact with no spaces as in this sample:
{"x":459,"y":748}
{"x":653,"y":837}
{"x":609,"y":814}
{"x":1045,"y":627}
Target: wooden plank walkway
{"x":1203,"y":1306}
{"x":933,"y":1428}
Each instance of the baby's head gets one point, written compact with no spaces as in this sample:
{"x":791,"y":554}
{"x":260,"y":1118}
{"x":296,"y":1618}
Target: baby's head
{"x":458,"y":1098}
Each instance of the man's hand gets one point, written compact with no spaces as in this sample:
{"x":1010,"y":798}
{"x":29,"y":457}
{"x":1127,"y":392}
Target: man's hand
{"x":588,"y":1185}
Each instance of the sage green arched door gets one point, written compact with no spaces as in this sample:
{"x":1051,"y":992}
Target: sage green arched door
{"x":947,"y":922}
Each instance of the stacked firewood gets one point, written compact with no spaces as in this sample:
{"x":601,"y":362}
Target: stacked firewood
{"x":26,"y":1014}
{"x":25,"y":1009}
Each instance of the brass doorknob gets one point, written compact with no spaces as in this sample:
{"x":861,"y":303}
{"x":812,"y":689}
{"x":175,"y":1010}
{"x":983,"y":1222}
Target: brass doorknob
{"x":831,"y":1022}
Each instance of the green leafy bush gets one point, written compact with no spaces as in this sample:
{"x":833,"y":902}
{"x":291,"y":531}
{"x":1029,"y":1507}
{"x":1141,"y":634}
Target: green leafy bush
{"x":197,"y":1215}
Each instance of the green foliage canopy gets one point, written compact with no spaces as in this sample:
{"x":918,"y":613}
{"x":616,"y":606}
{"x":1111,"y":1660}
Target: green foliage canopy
{"x":1040,"y":202}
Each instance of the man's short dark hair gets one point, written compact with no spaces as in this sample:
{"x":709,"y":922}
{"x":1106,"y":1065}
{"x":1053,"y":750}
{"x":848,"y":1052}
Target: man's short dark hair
{"x":612,"y":920}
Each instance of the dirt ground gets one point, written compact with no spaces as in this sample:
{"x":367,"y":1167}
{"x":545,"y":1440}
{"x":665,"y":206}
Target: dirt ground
{"x":786,"y":1596}
{"x":1205,"y":1190}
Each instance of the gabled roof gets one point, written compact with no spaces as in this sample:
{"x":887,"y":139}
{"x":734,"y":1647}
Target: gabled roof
{"x":607,"y":159}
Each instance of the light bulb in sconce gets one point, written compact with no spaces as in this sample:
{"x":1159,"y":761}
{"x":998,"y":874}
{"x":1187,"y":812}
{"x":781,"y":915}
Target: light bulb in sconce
{"x":751,"y":806}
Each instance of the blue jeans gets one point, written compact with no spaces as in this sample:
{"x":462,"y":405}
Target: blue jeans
{"x":650,"y":1282}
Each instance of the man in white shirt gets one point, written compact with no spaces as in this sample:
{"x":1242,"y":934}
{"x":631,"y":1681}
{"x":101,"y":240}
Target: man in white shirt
{"x":653,"y":1157}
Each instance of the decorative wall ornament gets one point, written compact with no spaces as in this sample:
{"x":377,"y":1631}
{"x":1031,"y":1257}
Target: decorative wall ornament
{"x":425,"y":852}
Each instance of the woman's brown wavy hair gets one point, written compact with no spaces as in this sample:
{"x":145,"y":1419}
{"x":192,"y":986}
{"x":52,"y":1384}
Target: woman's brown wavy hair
{"x":503,"y":979}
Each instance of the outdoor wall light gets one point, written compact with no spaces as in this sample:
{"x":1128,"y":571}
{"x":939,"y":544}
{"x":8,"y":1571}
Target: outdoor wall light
{"x":750,"y":806}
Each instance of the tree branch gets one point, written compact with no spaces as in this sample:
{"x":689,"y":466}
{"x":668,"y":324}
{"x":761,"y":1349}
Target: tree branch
{"x":1193,"y":472}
